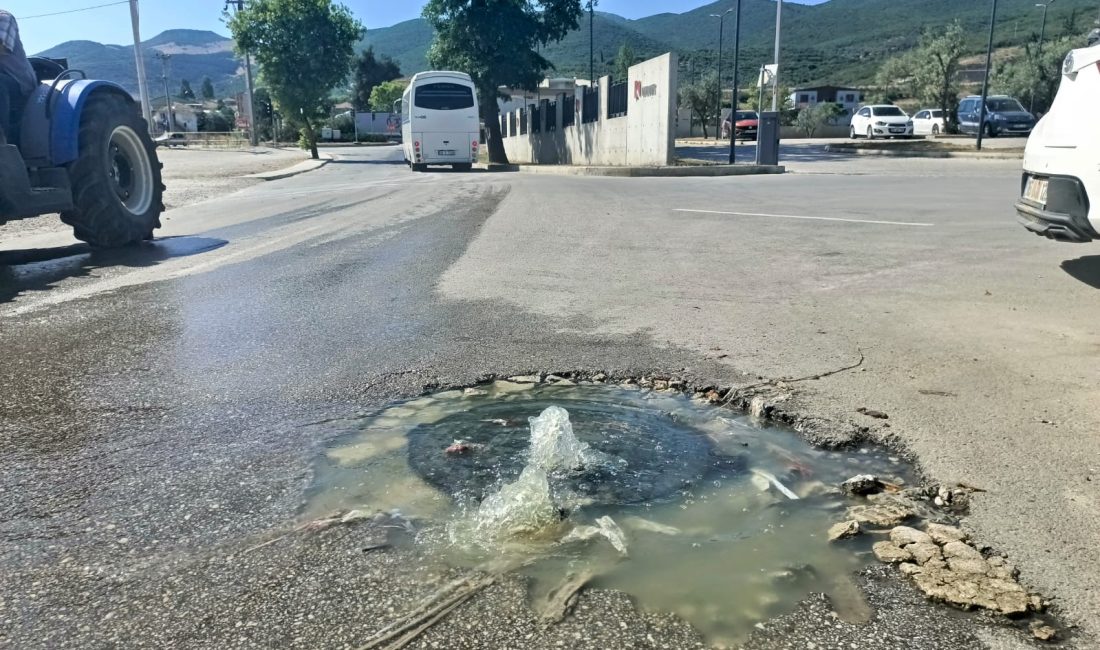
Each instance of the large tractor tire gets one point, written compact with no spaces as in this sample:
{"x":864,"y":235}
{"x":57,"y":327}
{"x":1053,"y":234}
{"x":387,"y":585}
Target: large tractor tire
{"x":116,"y":180}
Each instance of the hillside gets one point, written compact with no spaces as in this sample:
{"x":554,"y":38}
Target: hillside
{"x":837,"y":42}
{"x":194,"y":55}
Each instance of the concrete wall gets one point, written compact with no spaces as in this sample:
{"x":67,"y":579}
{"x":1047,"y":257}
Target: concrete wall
{"x":645,"y":136}
{"x":378,"y":123}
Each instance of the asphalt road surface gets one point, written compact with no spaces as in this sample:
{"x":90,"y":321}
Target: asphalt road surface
{"x":161,"y":407}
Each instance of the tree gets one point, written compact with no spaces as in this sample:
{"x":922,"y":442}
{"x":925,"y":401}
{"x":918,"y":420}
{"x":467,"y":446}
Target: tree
{"x":369,"y":72}
{"x":264,"y":111}
{"x":702,"y":99}
{"x":494,"y":42}
{"x":928,"y":72}
{"x":623,"y":60}
{"x":812,"y":118}
{"x":1034,"y":77}
{"x":207,"y":89}
{"x":214,"y":122}
{"x":385,"y":94}
{"x":185,"y":90}
{"x":304,"y":49}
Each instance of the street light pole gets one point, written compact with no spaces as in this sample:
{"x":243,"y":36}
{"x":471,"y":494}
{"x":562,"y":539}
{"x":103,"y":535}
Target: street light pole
{"x":591,"y":42}
{"x":736,"y":80}
{"x":721,"y":25}
{"x":1039,"y":51}
{"x":167,"y":97}
{"x":253,"y":136}
{"x":139,"y":63}
{"x":775,"y":77}
{"x":985,"y":81}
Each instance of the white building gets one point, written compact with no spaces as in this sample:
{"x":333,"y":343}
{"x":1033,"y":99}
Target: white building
{"x":849,"y":99}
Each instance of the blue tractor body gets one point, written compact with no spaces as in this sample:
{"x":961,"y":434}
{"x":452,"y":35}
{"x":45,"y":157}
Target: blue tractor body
{"x":50,"y":131}
{"x":83,"y":151}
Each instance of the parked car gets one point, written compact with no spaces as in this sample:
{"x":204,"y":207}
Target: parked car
{"x":929,"y":121}
{"x":1060,"y":188}
{"x":881,"y":121}
{"x":745,"y":125}
{"x":1004,"y":115}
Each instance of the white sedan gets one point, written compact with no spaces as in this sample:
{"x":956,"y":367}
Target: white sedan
{"x":1060,"y":190}
{"x":881,"y":121}
{"x":928,"y":121}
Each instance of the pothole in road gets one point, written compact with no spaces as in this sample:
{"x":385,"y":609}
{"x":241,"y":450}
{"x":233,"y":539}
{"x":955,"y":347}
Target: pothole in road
{"x":687,"y":507}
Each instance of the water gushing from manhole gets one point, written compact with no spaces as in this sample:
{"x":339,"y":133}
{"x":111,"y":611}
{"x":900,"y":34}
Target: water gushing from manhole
{"x":686,"y":507}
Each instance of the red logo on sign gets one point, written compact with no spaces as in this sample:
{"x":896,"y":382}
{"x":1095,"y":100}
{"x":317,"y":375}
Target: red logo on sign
{"x":637,"y":90}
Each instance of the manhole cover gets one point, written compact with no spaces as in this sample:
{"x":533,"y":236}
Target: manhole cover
{"x":649,"y":454}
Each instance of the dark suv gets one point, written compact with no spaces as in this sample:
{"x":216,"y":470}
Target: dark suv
{"x":1004,"y":115}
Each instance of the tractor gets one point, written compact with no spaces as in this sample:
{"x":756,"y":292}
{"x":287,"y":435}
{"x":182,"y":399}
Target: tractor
{"x":84,"y":152}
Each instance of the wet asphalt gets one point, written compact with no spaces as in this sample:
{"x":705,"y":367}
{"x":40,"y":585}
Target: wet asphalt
{"x":161,"y":409}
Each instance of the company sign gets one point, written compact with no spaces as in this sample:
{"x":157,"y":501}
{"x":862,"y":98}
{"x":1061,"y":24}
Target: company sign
{"x":644,"y":91}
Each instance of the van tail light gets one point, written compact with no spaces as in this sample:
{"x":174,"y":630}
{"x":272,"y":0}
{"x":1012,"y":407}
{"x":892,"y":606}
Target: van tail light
{"x":473,"y":145}
{"x":416,"y":144}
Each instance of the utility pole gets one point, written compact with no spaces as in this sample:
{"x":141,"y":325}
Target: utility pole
{"x":591,"y":43}
{"x":985,"y":81}
{"x":139,"y":62}
{"x":778,"y":30}
{"x":718,"y":120}
{"x":1039,"y":52}
{"x":252,"y":135}
{"x":736,"y":80}
{"x":167,"y":97}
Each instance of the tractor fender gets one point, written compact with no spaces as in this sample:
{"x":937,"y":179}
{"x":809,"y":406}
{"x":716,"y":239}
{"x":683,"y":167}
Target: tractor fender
{"x":50,"y":135}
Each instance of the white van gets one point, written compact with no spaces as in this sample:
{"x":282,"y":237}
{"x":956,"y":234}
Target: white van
{"x":440,"y":123}
{"x":1060,"y":189}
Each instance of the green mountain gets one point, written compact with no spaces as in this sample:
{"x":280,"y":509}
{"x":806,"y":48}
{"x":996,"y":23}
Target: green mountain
{"x":193,"y":55}
{"x":836,"y":42}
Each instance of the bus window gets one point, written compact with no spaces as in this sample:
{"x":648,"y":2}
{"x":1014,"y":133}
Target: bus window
{"x":444,"y":97}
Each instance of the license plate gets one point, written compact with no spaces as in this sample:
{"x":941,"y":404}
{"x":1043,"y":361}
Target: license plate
{"x":446,"y":152}
{"x":1036,"y":190}
{"x":897,"y":130}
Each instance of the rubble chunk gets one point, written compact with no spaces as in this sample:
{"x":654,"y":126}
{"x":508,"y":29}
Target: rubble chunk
{"x":945,"y":534}
{"x":862,"y":484}
{"x":891,"y":553}
{"x":904,"y":535}
{"x":843,"y":530}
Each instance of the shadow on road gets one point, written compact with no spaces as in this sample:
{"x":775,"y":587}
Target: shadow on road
{"x":746,"y":153}
{"x":348,"y":161}
{"x":39,"y":269}
{"x":1086,"y":269}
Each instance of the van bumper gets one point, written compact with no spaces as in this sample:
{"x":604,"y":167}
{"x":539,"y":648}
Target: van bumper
{"x":1065,"y":215}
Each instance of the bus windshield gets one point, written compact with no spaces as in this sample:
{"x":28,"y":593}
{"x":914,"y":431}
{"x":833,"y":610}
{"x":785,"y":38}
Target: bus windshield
{"x":442,"y":96}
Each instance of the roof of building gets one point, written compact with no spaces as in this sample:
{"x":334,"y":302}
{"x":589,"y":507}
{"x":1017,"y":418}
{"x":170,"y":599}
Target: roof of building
{"x":801,"y":90}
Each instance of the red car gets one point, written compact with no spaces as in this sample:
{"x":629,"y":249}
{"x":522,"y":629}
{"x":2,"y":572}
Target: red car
{"x":745,"y":125}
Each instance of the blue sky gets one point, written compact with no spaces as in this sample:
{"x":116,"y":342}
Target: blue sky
{"x":112,"y":24}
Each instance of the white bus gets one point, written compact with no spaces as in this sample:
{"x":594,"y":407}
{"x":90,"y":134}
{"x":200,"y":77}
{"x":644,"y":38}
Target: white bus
{"x":440,"y":123}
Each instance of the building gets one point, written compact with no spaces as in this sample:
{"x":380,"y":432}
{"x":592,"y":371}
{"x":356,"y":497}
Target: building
{"x":847,"y":98}
{"x":548,"y":89}
{"x":186,"y":117}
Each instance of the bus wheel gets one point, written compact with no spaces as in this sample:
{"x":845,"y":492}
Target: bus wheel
{"x":462,"y":167}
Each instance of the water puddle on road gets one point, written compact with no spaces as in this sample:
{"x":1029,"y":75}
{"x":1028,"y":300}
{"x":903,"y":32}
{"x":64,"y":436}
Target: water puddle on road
{"x":688,"y":508}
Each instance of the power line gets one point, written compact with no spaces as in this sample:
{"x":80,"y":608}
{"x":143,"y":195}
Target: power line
{"x":73,"y":11}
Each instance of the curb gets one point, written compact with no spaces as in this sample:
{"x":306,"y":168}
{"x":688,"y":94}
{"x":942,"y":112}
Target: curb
{"x":293,"y":170}
{"x":643,"y":172}
{"x":979,"y":155}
